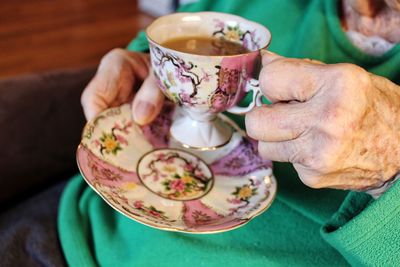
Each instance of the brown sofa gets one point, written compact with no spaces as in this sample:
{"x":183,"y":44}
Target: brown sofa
{"x":40,"y":124}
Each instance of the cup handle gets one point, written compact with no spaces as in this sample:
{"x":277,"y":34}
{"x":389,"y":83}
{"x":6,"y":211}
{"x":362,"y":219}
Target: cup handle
{"x":251,"y":85}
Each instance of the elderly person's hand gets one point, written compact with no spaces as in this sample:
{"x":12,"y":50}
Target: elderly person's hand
{"x":338,"y":124}
{"x":121,"y":72}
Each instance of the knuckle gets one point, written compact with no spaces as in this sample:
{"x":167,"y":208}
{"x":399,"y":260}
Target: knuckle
{"x":253,"y":123}
{"x":310,"y":160}
{"x":112,"y":55}
{"x":294,"y":154}
{"x":116,"y":51}
{"x":345,"y":72}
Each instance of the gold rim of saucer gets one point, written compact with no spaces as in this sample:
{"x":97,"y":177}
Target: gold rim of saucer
{"x":241,"y":221}
{"x":171,"y":228}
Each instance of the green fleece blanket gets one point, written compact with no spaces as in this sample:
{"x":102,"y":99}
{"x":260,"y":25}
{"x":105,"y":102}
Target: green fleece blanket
{"x":303,"y":227}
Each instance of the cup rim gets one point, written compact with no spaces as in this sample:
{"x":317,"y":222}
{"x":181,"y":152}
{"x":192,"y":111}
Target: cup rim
{"x":179,"y":14}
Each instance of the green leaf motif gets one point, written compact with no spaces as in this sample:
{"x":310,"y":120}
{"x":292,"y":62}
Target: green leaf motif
{"x":166,"y":84}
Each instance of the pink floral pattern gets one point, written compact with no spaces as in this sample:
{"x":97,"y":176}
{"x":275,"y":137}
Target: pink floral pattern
{"x":183,"y":72}
{"x":175,"y":174}
{"x":233,"y":74}
{"x":249,"y":39}
{"x":197,"y":215}
{"x":157,"y":133}
{"x":113,"y":141}
{"x":243,"y":194}
{"x":179,"y":175}
{"x":149,"y":210}
{"x":243,"y":159}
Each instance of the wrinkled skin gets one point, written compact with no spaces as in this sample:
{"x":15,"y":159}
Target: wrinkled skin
{"x":118,"y":76}
{"x":338,"y":124}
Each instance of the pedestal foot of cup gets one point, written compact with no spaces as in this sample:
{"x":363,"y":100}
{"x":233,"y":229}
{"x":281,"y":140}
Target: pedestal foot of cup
{"x":202,"y":135}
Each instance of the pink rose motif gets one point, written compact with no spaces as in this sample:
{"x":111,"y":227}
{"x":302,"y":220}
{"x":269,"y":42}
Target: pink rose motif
{"x":138,"y":204}
{"x":177,"y":185}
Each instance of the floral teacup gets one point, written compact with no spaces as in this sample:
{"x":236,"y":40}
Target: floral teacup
{"x":206,"y":85}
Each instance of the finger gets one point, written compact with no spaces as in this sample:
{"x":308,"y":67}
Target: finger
{"x":148,"y":101}
{"x":112,"y":85}
{"x":140,"y":62}
{"x":313,"y":61}
{"x":268,"y":57}
{"x":279,"y":122}
{"x":92,"y":100}
{"x":286,"y":151}
{"x":288,"y":79}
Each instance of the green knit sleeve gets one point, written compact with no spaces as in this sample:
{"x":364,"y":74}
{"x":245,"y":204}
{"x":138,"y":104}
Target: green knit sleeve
{"x":140,"y":44}
{"x":366,"y":231}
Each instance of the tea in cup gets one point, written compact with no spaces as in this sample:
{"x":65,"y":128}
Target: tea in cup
{"x":205,"y":62}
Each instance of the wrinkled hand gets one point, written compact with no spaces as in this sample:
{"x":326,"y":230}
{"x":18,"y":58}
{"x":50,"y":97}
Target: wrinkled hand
{"x":121,"y":72}
{"x":338,"y":124}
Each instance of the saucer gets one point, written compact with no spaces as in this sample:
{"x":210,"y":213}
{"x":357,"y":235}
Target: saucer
{"x":149,"y":177}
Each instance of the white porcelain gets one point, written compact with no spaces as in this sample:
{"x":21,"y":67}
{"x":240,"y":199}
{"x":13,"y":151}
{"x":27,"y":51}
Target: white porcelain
{"x":206,"y":85}
{"x":147,"y":176}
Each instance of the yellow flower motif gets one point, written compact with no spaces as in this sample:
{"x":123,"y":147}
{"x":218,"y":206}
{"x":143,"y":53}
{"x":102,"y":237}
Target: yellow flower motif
{"x":110,"y":144}
{"x":187,"y":179}
{"x":169,"y":168}
{"x":129,"y":185}
{"x":232,"y":35}
{"x":245,"y":192}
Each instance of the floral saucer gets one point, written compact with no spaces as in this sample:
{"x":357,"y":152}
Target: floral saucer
{"x":147,"y":176}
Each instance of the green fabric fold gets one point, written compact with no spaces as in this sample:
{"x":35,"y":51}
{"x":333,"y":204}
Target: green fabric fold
{"x":303,"y":227}
{"x":367,"y":231}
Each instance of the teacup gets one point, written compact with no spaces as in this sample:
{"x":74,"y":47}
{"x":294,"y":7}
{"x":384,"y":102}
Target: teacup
{"x":206,"y":85}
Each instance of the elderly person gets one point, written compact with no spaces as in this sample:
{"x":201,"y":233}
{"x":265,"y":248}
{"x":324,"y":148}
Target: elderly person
{"x":337,"y":122}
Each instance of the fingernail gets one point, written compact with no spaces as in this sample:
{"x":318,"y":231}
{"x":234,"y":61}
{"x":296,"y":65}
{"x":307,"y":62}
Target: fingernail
{"x":143,"y":111}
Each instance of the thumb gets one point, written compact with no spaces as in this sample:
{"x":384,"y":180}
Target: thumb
{"x":148,"y":101}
